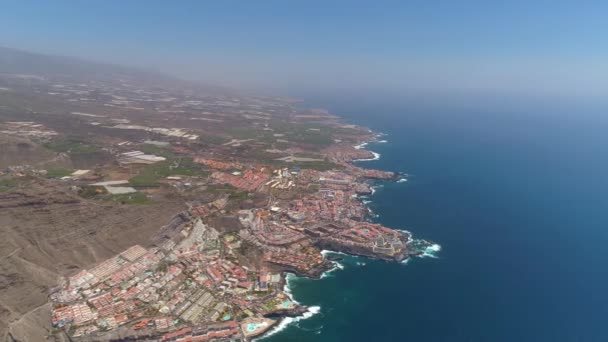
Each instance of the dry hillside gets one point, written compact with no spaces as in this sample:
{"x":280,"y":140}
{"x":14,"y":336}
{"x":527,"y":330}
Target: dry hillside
{"x":48,"y":232}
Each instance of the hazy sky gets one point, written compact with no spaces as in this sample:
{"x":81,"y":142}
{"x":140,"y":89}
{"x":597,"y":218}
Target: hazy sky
{"x":454,"y":45}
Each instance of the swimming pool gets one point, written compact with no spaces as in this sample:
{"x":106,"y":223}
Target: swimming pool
{"x":251,"y":327}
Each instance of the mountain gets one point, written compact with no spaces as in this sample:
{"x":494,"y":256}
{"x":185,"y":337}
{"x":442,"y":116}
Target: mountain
{"x":14,"y":61}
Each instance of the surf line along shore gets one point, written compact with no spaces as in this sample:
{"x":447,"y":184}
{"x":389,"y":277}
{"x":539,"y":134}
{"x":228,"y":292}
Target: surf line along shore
{"x":331,"y":249}
{"x":278,"y":240}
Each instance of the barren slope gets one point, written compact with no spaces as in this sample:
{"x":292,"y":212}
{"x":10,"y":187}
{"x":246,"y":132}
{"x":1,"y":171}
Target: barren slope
{"x":21,"y":151}
{"x":47,"y":232}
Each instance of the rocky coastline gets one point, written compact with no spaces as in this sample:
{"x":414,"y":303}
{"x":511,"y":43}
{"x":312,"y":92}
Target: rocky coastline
{"x":412,"y":248}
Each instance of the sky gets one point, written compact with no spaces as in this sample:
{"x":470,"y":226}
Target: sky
{"x":512,"y":47}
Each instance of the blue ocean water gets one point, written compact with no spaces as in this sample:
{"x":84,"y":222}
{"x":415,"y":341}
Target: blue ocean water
{"x":518,"y":200}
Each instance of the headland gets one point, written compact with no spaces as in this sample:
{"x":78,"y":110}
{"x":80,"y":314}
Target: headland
{"x":177,"y":216}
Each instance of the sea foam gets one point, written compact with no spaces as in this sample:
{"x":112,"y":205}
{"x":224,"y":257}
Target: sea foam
{"x":430,"y":251}
{"x":337,"y":266}
{"x":375,"y":154}
{"x":374,"y":188}
{"x":287,"y":287}
{"x":325,"y":252}
{"x":360,"y":146}
{"x":312,"y":310}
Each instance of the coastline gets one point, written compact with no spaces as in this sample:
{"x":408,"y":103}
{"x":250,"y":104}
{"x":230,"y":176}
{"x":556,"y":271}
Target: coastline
{"x":282,"y":323}
{"x":429,"y":248}
{"x":364,"y":144}
{"x":342,"y":223}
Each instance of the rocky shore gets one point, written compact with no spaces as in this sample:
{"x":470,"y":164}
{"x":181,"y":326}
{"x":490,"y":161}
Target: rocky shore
{"x":331,"y":245}
{"x":363,"y":187}
{"x":299,"y":310}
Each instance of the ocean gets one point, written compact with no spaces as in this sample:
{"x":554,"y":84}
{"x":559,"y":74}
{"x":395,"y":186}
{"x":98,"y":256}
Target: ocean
{"x":518,"y":201}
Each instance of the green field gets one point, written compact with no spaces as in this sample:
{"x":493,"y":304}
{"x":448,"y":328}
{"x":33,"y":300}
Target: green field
{"x":319,"y":136}
{"x":7,"y":184}
{"x":90,"y":191}
{"x":216,"y":188}
{"x":321,"y":165}
{"x":212,"y":139}
{"x":71,"y":145}
{"x":239,"y":195}
{"x":149,"y":175}
{"x":58,"y":173}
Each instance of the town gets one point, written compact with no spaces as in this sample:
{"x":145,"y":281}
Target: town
{"x":260,"y":189}
{"x":198,"y":277}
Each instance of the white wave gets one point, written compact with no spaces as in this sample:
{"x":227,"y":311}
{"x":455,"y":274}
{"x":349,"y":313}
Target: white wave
{"x":376,"y":157}
{"x":337,"y":266}
{"x":366,"y":201}
{"x":326,"y":251}
{"x":374,"y":188}
{"x":360,"y":263}
{"x":434,"y":248}
{"x":405,"y":261}
{"x":382,"y":141}
{"x":313,"y":310}
{"x":402,"y":180}
{"x":430,"y":251}
{"x":287,"y":287}
{"x":402,"y":230}
{"x":361,"y":146}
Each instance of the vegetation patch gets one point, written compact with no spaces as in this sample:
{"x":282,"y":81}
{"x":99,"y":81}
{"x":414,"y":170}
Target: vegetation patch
{"x":58,"y":173}
{"x":239,"y":195}
{"x":90,"y":191}
{"x":320,"y":165}
{"x":308,"y":155}
{"x":315,"y":135}
{"x":213,"y":139}
{"x":7,"y":184}
{"x":157,"y":150}
{"x":243,"y":133}
{"x":149,"y":176}
{"x":71,"y":145}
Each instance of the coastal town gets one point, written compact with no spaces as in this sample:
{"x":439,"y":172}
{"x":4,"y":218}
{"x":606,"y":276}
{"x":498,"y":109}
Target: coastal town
{"x":255,"y":187}
{"x":198,"y":283}
{"x":303,"y":171}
